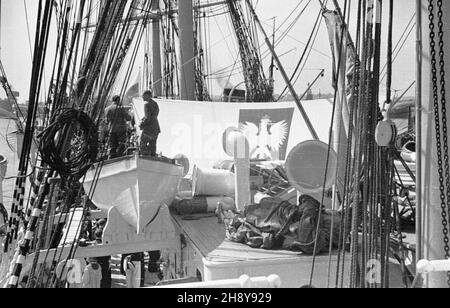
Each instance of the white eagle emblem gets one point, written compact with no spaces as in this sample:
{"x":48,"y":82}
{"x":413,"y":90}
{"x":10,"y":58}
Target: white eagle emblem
{"x":266,"y":140}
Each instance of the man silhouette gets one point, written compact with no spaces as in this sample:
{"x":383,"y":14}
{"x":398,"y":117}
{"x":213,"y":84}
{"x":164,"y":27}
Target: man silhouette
{"x":117,"y":118}
{"x":150,"y":125}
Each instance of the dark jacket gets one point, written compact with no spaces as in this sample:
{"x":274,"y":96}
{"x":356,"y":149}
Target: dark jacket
{"x":150,"y":124}
{"x":117,"y":118}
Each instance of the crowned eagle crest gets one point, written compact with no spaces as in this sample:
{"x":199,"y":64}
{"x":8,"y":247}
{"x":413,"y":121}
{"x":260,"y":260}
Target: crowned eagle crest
{"x":266,"y":138}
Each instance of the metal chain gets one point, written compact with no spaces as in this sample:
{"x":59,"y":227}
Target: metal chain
{"x":444,"y":102}
{"x":439,"y":137}
{"x":444,"y":114}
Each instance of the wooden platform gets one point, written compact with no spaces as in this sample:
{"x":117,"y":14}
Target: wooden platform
{"x":223,"y":259}
{"x":203,"y":231}
{"x":209,"y":237}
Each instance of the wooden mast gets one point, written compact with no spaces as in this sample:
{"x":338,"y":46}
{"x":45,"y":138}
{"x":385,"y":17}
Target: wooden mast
{"x":431,"y":212}
{"x":419,"y":253}
{"x":1,"y":12}
{"x":186,"y":25}
{"x":156,"y":54}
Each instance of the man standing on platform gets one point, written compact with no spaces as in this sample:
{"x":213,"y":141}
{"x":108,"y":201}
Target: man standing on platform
{"x":117,"y":118}
{"x":150,"y":125}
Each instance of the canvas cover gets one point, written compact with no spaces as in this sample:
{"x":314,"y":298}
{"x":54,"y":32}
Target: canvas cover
{"x":196,"y":129}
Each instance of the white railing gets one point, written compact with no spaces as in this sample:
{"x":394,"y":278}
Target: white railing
{"x":426,"y":267}
{"x":244,"y":282}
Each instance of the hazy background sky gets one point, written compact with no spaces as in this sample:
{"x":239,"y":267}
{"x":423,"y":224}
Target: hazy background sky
{"x":16,"y":56}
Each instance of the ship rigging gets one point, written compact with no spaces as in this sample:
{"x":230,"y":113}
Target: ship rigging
{"x":365,"y":177}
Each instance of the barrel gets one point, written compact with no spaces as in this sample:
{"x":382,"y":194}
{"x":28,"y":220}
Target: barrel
{"x":212,"y":182}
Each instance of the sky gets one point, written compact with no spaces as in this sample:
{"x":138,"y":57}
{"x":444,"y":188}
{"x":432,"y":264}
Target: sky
{"x":16,"y":55}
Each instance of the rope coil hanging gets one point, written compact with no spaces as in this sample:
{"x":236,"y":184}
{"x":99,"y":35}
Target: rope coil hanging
{"x":52,"y":140}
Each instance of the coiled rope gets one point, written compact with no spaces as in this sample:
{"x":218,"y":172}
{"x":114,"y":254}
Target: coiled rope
{"x":82,"y":153}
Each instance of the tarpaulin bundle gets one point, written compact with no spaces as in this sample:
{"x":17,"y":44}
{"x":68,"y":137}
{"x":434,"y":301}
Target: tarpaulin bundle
{"x":278,"y":224}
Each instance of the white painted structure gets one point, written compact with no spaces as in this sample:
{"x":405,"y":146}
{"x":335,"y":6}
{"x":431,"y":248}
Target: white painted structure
{"x":244,"y":282}
{"x":430,"y":228}
{"x":237,"y":146}
{"x":137,"y":187}
{"x":186,"y":25}
{"x":156,"y":55}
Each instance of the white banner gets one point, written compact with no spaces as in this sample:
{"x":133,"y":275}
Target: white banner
{"x":196,"y":129}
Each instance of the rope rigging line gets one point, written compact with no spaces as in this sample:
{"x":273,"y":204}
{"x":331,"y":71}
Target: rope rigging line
{"x":279,"y":40}
{"x":330,"y":136}
{"x":9,"y":93}
{"x":359,"y":149}
{"x":400,"y":43}
{"x":202,"y":93}
{"x":76,"y":163}
{"x":369,"y":188}
{"x":345,"y":213}
{"x":19,"y":192}
{"x":74,"y":247}
{"x":257,"y":85}
{"x":28,"y":28}
{"x":42,"y":33}
{"x":98,"y":170}
{"x":305,"y":55}
{"x":86,"y":70}
{"x":267,"y":51}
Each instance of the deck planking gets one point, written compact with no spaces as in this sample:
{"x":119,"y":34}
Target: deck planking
{"x":208,"y":236}
{"x":204,"y":232}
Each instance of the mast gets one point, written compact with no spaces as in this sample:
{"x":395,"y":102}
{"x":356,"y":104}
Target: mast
{"x":257,"y":86}
{"x":1,"y":27}
{"x":428,"y":174}
{"x":418,"y":123}
{"x":186,"y":25}
{"x":156,"y":54}
{"x":272,"y":63}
